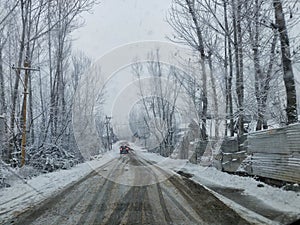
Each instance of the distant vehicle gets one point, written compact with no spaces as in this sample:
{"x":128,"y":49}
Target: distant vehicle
{"x":124,"y":149}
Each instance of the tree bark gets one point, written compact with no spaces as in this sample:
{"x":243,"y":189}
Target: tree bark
{"x":201,"y":51}
{"x":229,"y":75}
{"x":24,"y":18}
{"x":288,"y":75}
{"x":238,"y":63}
{"x":215,"y":96}
{"x":3,"y":107}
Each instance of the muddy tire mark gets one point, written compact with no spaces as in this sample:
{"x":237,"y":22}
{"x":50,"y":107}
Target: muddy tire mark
{"x":208,"y":207}
{"x":163,"y":206}
{"x":96,"y":208}
{"x":97,"y":199}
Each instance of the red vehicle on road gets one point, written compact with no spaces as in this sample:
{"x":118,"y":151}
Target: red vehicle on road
{"x":124,"y":149}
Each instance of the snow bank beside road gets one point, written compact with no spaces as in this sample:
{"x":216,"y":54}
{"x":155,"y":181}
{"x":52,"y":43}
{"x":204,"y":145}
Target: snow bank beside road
{"x":26,"y":194}
{"x":268,"y":197}
{"x":278,"y":198}
{"x":281,"y":200}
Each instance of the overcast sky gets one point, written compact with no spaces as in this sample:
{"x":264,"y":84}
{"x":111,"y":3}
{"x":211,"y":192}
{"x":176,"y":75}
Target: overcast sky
{"x":117,"y":22}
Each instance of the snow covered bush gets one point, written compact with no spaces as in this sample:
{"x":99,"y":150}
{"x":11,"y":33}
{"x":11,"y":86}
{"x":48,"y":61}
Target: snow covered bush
{"x":50,"y":157}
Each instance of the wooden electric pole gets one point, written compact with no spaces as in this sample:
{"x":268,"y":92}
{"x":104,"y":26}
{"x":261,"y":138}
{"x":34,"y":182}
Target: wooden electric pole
{"x":24,"y":106}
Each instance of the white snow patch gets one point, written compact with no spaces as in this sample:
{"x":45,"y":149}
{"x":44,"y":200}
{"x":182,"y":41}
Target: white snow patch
{"x":25,"y":194}
{"x":277,"y":198}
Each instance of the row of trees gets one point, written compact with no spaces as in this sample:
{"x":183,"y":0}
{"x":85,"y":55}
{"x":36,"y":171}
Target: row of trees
{"x":243,"y":51}
{"x":154,"y":118}
{"x":242,"y":48}
{"x":240,"y":71}
{"x":37,"y":34}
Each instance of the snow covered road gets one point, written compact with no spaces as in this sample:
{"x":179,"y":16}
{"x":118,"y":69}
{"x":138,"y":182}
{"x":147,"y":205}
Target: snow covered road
{"x":145,"y":188}
{"x":97,"y":200}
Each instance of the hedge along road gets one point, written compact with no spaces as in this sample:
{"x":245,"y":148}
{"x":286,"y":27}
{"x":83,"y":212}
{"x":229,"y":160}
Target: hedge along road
{"x":98,"y":200}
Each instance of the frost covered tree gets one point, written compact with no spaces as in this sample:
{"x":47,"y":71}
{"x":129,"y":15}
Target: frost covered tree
{"x":156,"y":111}
{"x":39,"y":31}
{"x":263,"y":42}
{"x":288,"y":74}
{"x":184,"y":18}
{"x":243,"y":38}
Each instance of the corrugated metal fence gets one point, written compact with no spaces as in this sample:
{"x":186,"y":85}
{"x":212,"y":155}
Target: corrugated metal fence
{"x":276,"y":153}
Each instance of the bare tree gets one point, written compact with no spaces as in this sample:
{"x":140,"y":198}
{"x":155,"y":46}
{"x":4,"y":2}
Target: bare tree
{"x":3,"y":106}
{"x":184,"y":19}
{"x":11,"y":7}
{"x":158,"y":107}
{"x":228,"y":66}
{"x":24,"y":8}
{"x":34,"y":25}
{"x":288,"y":74}
{"x":263,"y":41}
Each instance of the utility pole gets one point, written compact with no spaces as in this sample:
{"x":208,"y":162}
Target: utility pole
{"x":24,"y":106}
{"x":107,"y":123}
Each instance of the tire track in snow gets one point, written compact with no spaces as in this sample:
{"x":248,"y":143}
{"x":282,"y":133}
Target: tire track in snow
{"x":102,"y":194}
{"x":133,"y":207}
{"x":159,"y":191}
{"x":207,"y":206}
{"x":185,"y":212}
{"x":32,"y":215}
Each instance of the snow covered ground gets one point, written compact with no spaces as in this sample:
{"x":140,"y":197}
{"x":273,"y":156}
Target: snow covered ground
{"x":276,"y":197}
{"x":25,"y":194}
{"x":287,"y":202}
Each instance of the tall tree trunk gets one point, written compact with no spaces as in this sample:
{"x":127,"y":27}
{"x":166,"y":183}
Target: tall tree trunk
{"x":28,"y":56}
{"x":229,"y":75}
{"x":49,"y":45}
{"x":262,"y":85}
{"x":3,"y":107}
{"x":43,"y":133}
{"x":30,"y":111}
{"x":201,"y":51}
{"x":238,"y":63}
{"x":288,"y":75}
{"x":215,"y":96}
{"x":34,"y":22}
{"x":24,"y":17}
{"x":262,"y":76}
{"x":257,"y":67}
{"x":267,"y":80}
{"x":240,"y":78}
